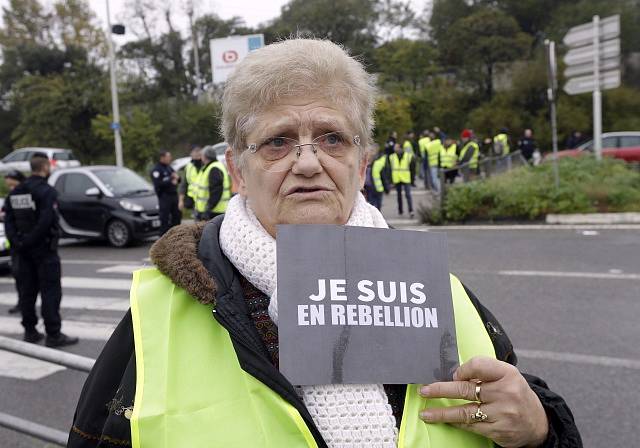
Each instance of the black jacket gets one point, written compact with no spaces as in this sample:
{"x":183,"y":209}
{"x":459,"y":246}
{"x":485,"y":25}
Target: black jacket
{"x":35,"y":227}
{"x":101,"y":416}
{"x":161,"y":178}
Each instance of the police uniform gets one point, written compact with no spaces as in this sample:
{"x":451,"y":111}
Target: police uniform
{"x":31,"y":225}
{"x":161,"y":176}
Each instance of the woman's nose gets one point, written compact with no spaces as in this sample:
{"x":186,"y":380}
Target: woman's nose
{"x":307,"y":163}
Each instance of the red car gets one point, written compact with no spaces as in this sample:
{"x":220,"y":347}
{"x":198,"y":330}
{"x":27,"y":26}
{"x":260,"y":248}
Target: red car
{"x":621,"y":145}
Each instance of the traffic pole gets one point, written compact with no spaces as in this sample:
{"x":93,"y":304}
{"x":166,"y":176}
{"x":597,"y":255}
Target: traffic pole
{"x":551,"y":95}
{"x":114,"y":94}
{"x":597,"y":96}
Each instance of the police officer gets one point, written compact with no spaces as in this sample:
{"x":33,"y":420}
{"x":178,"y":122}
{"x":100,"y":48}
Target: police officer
{"x":31,"y":224}
{"x":187,"y":187}
{"x":214,"y":187}
{"x":12,"y":179}
{"x":165,"y":183}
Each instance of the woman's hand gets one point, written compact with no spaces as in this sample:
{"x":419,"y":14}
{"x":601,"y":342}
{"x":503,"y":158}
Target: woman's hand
{"x":514,"y":415}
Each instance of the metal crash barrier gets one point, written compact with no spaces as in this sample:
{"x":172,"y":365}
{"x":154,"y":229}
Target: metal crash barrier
{"x":69,"y":360}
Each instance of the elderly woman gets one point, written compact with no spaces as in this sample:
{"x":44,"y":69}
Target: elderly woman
{"x":195,"y":361}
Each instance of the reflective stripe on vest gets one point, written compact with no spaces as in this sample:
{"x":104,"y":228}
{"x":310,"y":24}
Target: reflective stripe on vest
{"x":401,"y":169}
{"x":433,"y":150}
{"x":192,"y":392}
{"x":504,"y":140}
{"x":202,"y":195}
{"x":422,"y":144}
{"x":473,"y":161}
{"x":376,"y":173}
{"x":448,"y":156}
{"x":191,"y":174}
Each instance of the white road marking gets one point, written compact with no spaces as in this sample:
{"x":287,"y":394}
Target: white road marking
{"x":577,"y":358}
{"x":590,"y":232}
{"x":86,"y":283}
{"x":598,"y":275}
{"x":78,"y":302}
{"x":96,"y":331}
{"x":120,"y":269}
{"x":22,"y":367}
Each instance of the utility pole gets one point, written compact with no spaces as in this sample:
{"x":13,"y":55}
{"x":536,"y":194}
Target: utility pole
{"x":597,"y":96}
{"x":552,"y":69}
{"x":194,"y":42}
{"x":114,"y":93}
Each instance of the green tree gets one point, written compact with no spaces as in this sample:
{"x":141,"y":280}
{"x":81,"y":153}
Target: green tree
{"x":482,"y":40}
{"x":351,"y":23}
{"x":392,"y":114}
{"x":140,"y":136}
{"x":406,"y":64}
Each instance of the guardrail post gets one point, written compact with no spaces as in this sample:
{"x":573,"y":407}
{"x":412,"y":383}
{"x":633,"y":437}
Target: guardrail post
{"x":33,"y":429}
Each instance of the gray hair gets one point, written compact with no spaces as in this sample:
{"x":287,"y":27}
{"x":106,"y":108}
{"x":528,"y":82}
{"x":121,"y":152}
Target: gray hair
{"x":296,"y":67}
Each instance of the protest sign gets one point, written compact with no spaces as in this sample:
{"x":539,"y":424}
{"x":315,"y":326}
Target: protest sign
{"x":363,"y":305}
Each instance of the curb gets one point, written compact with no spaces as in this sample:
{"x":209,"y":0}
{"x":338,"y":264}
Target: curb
{"x":594,"y":218}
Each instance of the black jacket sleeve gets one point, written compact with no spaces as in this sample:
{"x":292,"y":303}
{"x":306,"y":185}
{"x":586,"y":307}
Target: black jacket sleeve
{"x":216,"y":185}
{"x":10,"y":224}
{"x":563,"y":432}
{"x":101,"y":418}
{"x":46,"y":205}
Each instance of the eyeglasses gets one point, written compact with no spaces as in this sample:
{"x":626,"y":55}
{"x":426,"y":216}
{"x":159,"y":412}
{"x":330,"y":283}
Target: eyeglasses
{"x":278,"y":154}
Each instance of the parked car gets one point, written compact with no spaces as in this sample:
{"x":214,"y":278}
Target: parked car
{"x":19,"y":159}
{"x":220,"y":148}
{"x":620,"y":145}
{"x":106,"y":202}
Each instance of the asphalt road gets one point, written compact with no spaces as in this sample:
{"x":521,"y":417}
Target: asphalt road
{"x":569,"y":300}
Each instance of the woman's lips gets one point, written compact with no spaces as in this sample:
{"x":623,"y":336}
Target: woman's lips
{"x":304,"y":192}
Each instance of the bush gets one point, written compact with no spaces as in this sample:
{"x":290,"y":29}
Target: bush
{"x":528,"y":192}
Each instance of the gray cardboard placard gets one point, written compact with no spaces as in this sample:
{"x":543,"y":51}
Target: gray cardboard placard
{"x":358,"y":332}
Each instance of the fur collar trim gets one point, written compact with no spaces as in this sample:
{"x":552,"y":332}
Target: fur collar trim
{"x":176,"y":256}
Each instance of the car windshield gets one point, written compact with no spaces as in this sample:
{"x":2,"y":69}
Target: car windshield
{"x":123,"y":181}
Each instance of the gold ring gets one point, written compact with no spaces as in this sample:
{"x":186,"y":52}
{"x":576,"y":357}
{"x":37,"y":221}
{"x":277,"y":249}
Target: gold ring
{"x":478,"y":416}
{"x":477,"y":397}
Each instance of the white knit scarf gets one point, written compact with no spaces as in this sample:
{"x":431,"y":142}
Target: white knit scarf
{"x":347,"y":415}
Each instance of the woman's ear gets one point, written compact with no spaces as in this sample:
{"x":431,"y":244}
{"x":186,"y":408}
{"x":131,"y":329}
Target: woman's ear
{"x":235,"y":172}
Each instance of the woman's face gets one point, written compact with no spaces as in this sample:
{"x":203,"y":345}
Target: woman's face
{"x":316,"y":188}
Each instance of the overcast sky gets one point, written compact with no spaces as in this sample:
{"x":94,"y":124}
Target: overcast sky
{"x":253,"y":11}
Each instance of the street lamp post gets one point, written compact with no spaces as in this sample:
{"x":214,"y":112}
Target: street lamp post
{"x":114,"y":94}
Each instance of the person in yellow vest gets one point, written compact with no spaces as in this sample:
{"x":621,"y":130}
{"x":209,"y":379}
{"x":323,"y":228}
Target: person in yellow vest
{"x":402,"y":164}
{"x":212,"y":187}
{"x":423,"y":142}
{"x":469,"y":154}
{"x":501,"y":145}
{"x":376,"y":183}
{"x":187,"y":188}
{"x":434,"y":150}
{"x":195,"y":361}
{"x":449,"y":160}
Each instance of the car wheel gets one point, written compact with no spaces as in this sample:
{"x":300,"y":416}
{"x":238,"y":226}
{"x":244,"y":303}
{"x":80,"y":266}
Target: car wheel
{"x":118,"y":233}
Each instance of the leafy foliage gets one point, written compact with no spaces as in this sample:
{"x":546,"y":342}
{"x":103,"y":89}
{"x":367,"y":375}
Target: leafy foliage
{"x":528,"y":193}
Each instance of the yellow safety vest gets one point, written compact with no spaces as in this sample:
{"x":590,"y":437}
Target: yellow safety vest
{"x":448,"y":156}
{"x":202,"y":186}
{"x":503,"y":139}
{"x":407,"y":146}
{"x":434,"y":148}
{"x":401,"y":169}
{"x":473,"y":161}
{"x":422,"y":144}
{"x":192,"y":392}
{"x":191,"y":174}
{"x":376,"y":172}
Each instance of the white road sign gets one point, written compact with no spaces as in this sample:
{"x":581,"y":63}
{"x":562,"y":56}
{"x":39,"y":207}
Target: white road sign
{"x":227,"y":52}
{"x":584,"y":84}
{"x":587,"y":67}
{"x":583,"y":34}
{"x":583,"y":55}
